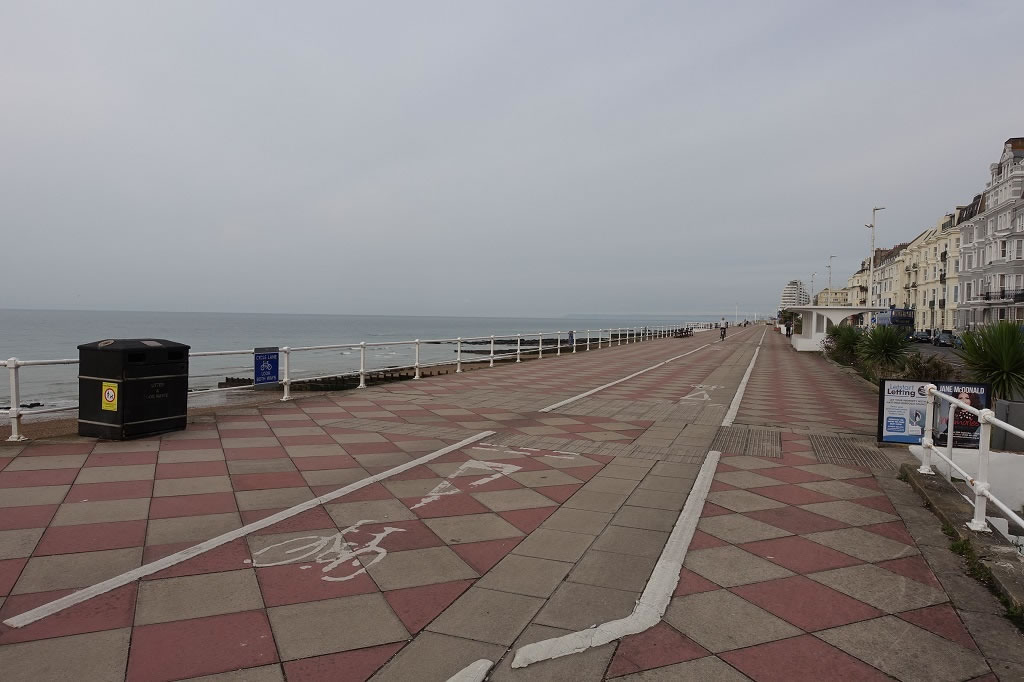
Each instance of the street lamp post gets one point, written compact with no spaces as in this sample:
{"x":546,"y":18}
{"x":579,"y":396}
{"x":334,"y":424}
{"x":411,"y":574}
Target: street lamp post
{"x":812,"y":287}
{"x":830,"y":276}
{"x":871,"y":256}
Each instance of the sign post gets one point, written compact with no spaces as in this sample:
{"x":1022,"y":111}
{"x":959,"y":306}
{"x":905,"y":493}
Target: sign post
{"x":265,"y":364}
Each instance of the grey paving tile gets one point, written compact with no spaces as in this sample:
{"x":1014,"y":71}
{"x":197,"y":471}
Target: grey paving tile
{"x":557,"y":545}
{"x":919,"y":657}
{"x":577,"y":521}
{"x":880,"y":588}
{"x":743,"y":500}
{"x":33,"y":495}
{"x":101,"y":512}
{"x":347,"y":513}
{"x":277,"y":498}
{"x":95,"y":656}
{"x":667,"y":484}
{"x":432,"y":656}
{"x":995,"y":635}
{"x":487,"y":616}
{"x":506,"y":500}
{"x":737,"y":528}
{"x":196,"y":596}
{"x":862,"y":544}
{"x":709,"y":668}
{"x":745,"y":479}
{"x":579,"y":667}
{"x":721,"y":621}
{"x":472,"y":528}
{"x":419,"y":567}
{"x":643,"y":517}
{"x":65,"y":571}
{"x":191,"y":528}
{"x":850,"y":512}
{"x":636,"y":541}
{"x":592,"y":501}
{"x":574,"y":606}
{"x":525,"y":575}
{"x":730,"y":566}
{"x":750,"y":463}
{"x":18,"y":543}
{"x":657,"y":499}
{"x":617,"y":571}
{"x":832,"y":471}
{"x":332,"y":625}
{"x":840,"y":490}
{"x":200,"y":485}
{"x":263,"y":673}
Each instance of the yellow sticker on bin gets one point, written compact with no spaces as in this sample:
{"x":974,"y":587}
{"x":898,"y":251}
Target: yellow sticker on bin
{"x":109,"y":397}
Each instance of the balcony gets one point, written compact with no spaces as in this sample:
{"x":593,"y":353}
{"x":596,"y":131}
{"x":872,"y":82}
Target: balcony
{"x":906,"y":286}
{"x":931,"y":304}
{"x":913,"y":285}
{"x":942,"y":303}
{"x":943,"y":256}
{"x":914,"y":266}
{"x":942,"y":278}
{"x":906,"y":269}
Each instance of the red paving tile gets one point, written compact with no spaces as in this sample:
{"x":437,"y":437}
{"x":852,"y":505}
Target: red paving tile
{"x":304,"y":581}
{"x":306,"y":440}
{"x":467,"y":484}
{"x":527,"y":520}
{"x":91,"y":537}
{"x":459,"y":504}
{"x":943,"y":621}
{"x":806,"y":604}
{"x":914,"y":567}
{"x":791,"y":475}
{"x":347,"y":666}
{"x":191,"y":505}
{"x":879,"y":503}
{"x":800,"y":555}
{"x":370,"y":448}
{"x":191,"y":444}
{"x":191,"y":469}
{"x":214,"y":644}
{"x":373,"y":491}
{"x":702,"y":540}
{"x":796,"y":520}
{"x":35,"y":516}
{"x":417,"y":606}
{"x":228,"y":557}
{"x":711,"y":509}
{"x":794,"y":494}
{"x":691,"y":583}
{"x":416,"y":473}
{"x":24,"y":479}
{"x":800,"y":659}
{"x":583,"y":473}
{"x":321,"y":463}
{"x":282,"y":479}
{"x":118,"y":490}
{"x":410,"y":535}
{"x":316,"y":518}
{"x":115,"y":609}
{"x":720,"y":485}
{"x":10,"y":569}
{"x":482,"y":556}
{"x":659,"y":646}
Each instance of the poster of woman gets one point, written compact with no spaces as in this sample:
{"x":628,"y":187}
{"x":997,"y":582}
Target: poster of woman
{"x":966,"y":428}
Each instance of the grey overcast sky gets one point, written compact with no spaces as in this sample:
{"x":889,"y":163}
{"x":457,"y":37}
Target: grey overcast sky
{"x":483,"y":158}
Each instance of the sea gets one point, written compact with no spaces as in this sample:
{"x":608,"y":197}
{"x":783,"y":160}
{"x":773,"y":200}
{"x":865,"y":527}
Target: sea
{"x":55,"y":334}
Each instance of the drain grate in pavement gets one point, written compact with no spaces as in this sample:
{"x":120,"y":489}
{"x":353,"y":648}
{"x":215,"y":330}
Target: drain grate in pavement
{"x":764,"y":443}
{"x":731,"y":439}
{"x":837,"y":450}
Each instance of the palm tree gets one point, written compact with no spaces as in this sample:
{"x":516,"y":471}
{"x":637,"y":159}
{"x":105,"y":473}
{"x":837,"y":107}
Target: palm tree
{"x":994,"y":354}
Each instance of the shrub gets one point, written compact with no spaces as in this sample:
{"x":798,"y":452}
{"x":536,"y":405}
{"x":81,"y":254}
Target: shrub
{"x":917,"y":367}
{"x":883,"y":350}
{"x":994,"y":354}
{"x":840,"y":344}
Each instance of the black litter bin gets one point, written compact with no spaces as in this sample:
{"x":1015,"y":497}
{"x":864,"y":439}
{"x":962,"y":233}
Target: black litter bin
{"x":129,"y":388}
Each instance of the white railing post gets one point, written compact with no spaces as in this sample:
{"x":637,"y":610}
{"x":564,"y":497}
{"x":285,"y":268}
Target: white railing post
{"x":618,"y":337}
{"x":286,"y":381}
{"x":492,"y":351}
{"x":980,"y":484}
{"x":588,"y":339}
{"x":558,"y":343}
{"x":949,"y":433}
{"x":458,"y":355}
{"x":417,"y":363}
{"x":540,"y":345}
{"x":519,"y":347}
{"x":926,"y":437}
{"x":362,"y":364}
{"x":15,"y":412}
{"x":574,"y":342}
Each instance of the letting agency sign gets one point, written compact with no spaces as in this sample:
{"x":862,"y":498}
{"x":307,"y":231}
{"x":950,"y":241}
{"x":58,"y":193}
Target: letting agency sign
{"x":902,"y":406}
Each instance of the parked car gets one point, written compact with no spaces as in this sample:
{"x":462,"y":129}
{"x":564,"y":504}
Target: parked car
{"x":922,"y":337}
{"x":943,"y":339}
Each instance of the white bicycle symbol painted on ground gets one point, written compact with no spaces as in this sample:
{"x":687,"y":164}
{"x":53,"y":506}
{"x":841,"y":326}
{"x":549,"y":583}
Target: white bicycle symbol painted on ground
{"x":333,"y":551}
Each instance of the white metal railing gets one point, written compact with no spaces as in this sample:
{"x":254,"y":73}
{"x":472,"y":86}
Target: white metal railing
{"x":604,"y":337}
{"x":979,"y":483}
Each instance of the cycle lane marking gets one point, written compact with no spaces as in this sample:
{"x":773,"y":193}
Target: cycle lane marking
{"x":658,"y":593}
{"x":87,"y":593}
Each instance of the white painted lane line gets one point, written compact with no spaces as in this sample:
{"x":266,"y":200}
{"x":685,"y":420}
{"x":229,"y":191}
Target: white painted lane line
{"x":734,"y":407}
{"x":87,"y":593}
{"x":648,"y":611}
{"x":658,"y":593}
{"x":618,"y":381}
{"x":474,"y":672}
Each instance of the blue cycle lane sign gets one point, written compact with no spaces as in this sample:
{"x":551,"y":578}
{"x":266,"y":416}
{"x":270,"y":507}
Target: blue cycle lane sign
{"x":265,"y":364}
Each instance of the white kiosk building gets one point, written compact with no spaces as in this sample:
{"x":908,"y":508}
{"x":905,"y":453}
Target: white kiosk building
{"x":816,"y":319}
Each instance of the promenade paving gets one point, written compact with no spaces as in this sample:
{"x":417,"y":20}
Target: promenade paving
{"x":810,"y":561}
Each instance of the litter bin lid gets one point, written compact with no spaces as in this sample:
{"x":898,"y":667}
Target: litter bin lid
{"x":114,"y":345}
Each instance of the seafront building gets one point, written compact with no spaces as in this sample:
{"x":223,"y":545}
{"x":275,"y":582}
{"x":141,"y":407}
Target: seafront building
{"x":992,"y":229}
{"x":793,"y":294}
{"x":966,"y":271}
{"x":831,"y":297}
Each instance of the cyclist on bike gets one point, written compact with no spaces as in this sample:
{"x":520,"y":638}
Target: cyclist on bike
{"x":721,"y":328}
